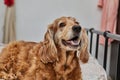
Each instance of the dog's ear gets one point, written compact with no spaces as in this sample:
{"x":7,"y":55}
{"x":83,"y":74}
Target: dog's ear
{"x":48,"y":50}
{"x":83,"y":52}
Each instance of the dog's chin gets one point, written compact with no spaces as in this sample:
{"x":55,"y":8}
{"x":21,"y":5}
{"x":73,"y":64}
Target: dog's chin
{"x":71,"y":44}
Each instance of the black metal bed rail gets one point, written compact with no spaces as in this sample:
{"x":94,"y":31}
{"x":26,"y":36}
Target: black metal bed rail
{"x":107,"y":35}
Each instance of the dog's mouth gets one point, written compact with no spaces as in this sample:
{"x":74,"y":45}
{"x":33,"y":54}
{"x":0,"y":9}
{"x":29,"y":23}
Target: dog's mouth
{"x":72,"y":43}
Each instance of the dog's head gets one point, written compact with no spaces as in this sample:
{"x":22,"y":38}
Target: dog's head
{"x":67,"y":33}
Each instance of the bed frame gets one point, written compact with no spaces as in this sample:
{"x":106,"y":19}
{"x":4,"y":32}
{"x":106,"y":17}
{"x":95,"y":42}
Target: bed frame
{"x":114,"y":71}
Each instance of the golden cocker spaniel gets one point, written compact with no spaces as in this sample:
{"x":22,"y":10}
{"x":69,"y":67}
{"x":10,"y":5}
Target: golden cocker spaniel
{"x":56,"y":58}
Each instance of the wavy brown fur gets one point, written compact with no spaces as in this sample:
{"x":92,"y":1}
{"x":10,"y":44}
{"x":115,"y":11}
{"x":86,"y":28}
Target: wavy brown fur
{"x":46,"y":60}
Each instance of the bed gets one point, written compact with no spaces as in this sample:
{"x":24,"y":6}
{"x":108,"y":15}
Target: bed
{"x":111,"y":52}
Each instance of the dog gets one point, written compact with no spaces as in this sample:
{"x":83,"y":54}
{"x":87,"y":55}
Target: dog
{"x":56,"y":58}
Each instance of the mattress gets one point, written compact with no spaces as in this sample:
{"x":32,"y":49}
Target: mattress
{"x":91,"y":70}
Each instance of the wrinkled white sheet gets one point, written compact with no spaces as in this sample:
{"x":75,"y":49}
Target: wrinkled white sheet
{"x":90,"y":71}
{"x":93,"y":70}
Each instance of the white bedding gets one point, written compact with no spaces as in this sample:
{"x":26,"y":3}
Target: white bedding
{"x":91,"y":70}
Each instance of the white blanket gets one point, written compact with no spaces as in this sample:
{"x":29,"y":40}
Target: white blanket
{"x":91,"y":70}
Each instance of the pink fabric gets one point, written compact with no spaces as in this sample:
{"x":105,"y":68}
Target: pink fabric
{"x":109,"y":16}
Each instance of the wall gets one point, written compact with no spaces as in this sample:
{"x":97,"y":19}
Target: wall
{"x":2,"y":15}
{"x":33,"y":16}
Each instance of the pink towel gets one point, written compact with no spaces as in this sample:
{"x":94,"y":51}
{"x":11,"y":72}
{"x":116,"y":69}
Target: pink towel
{"x":109,"y":16}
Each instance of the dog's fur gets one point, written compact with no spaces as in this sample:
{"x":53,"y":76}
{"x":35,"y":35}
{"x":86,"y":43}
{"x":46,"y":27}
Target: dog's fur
{"x":47,"y":60}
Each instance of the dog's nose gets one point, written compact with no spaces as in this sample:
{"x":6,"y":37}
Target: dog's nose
{"x":76,"y":29}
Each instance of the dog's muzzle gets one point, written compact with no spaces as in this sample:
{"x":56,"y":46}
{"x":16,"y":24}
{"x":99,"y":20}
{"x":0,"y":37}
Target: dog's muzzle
{"x":72,"y":43}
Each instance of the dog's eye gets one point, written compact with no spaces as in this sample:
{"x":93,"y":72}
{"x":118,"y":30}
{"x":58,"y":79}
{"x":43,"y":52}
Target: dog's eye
{"x":77,"y":22}
{"x":62,"y":25}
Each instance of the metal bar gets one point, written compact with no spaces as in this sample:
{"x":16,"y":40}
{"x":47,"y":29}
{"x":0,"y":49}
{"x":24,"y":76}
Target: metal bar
{"x":97,"y":32}
{"x":107,"y":35}
{"x":113,"y":36}
{"x":110,"y":35}
{"x":97,"y":45}
{"x":105,"y":53}
{"x":105,"y":49}
{"x":91,"y":39}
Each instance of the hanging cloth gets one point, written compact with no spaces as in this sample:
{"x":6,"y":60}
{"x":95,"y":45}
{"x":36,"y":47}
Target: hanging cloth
{"x":109,"y":16}
{"x":9,"y":23}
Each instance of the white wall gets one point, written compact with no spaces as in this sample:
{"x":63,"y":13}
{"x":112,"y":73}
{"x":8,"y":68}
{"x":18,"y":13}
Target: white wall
{"x":2,"y":15}
{"x":33,"y":16}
